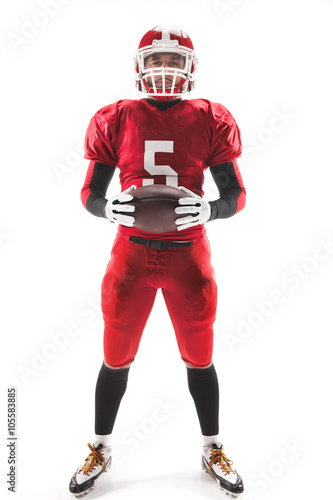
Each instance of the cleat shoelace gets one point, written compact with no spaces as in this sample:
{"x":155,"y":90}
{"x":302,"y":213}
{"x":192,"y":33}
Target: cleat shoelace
{"x":218,"y":457}
{"x":93,"y":460}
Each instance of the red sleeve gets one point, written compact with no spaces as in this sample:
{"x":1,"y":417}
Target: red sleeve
{"x":226,"y":142}
{"x":100,"y":137}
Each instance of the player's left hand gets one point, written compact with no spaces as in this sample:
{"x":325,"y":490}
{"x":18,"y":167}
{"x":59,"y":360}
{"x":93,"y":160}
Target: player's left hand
{"x":199,"y":209}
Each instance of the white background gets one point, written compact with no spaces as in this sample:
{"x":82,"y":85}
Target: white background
{"x":261,"y":60}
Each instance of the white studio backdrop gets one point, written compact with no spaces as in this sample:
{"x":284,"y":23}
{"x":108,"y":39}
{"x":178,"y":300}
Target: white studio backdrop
{"x":269,"y":64}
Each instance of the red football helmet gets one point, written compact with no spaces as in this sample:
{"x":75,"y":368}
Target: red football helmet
{"x":165,"y":63}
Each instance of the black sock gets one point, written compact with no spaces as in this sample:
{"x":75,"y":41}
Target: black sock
{"x":110,"y":388}
{"x":204,"y":388}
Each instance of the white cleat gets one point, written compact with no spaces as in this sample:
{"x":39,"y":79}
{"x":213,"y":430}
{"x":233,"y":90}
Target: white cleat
{"x":97,"y":462}
{"x":215,"y":462}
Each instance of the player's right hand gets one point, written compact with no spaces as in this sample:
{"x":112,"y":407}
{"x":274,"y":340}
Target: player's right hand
{"x":115,"y":207}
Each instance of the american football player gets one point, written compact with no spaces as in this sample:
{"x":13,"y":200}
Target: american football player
{"x":161,"y":138}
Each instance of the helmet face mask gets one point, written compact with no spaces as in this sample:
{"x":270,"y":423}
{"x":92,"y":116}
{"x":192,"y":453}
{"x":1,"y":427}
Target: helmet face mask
{"x":165,"y":67}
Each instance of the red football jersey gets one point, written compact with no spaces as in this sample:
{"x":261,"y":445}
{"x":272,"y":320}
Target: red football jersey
{"x":171,"y":147}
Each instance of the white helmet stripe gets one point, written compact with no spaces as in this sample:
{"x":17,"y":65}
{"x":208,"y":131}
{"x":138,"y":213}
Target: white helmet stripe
{"x":165,"y":32}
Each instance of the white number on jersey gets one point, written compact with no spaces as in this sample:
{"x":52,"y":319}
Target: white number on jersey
{"x":152,"y":147}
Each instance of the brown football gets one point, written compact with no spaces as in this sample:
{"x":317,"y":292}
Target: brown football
{"x":155,"y":207}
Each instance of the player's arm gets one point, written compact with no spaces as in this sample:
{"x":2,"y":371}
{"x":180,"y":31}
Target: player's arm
{"x":99,"y":149}
{"x":232,"y":193}
{"x":93,"y":195}
{"x":95,"y":186}
{"x":196,"y":210}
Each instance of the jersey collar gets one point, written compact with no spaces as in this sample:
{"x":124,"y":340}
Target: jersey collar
{"x":162,"y":105}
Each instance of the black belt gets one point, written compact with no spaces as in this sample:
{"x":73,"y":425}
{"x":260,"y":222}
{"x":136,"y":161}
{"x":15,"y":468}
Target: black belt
{"x":159,"y":244}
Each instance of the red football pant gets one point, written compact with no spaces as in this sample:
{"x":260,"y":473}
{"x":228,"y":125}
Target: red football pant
{"x":132,"y":278}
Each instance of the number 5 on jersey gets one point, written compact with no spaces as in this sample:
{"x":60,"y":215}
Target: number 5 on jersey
{"x":152,"y":147}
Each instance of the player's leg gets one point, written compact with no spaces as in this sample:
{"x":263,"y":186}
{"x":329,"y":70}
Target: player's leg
{"x":204,"y":389}
{"x":191,"y":298}
{"x":127,"y":301}
{"x":203,"y":386}
{"x":126,"y":305}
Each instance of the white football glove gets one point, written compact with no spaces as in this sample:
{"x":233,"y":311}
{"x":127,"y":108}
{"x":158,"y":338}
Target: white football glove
{"x":115,"y":205}
{"x":194,"y":205}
